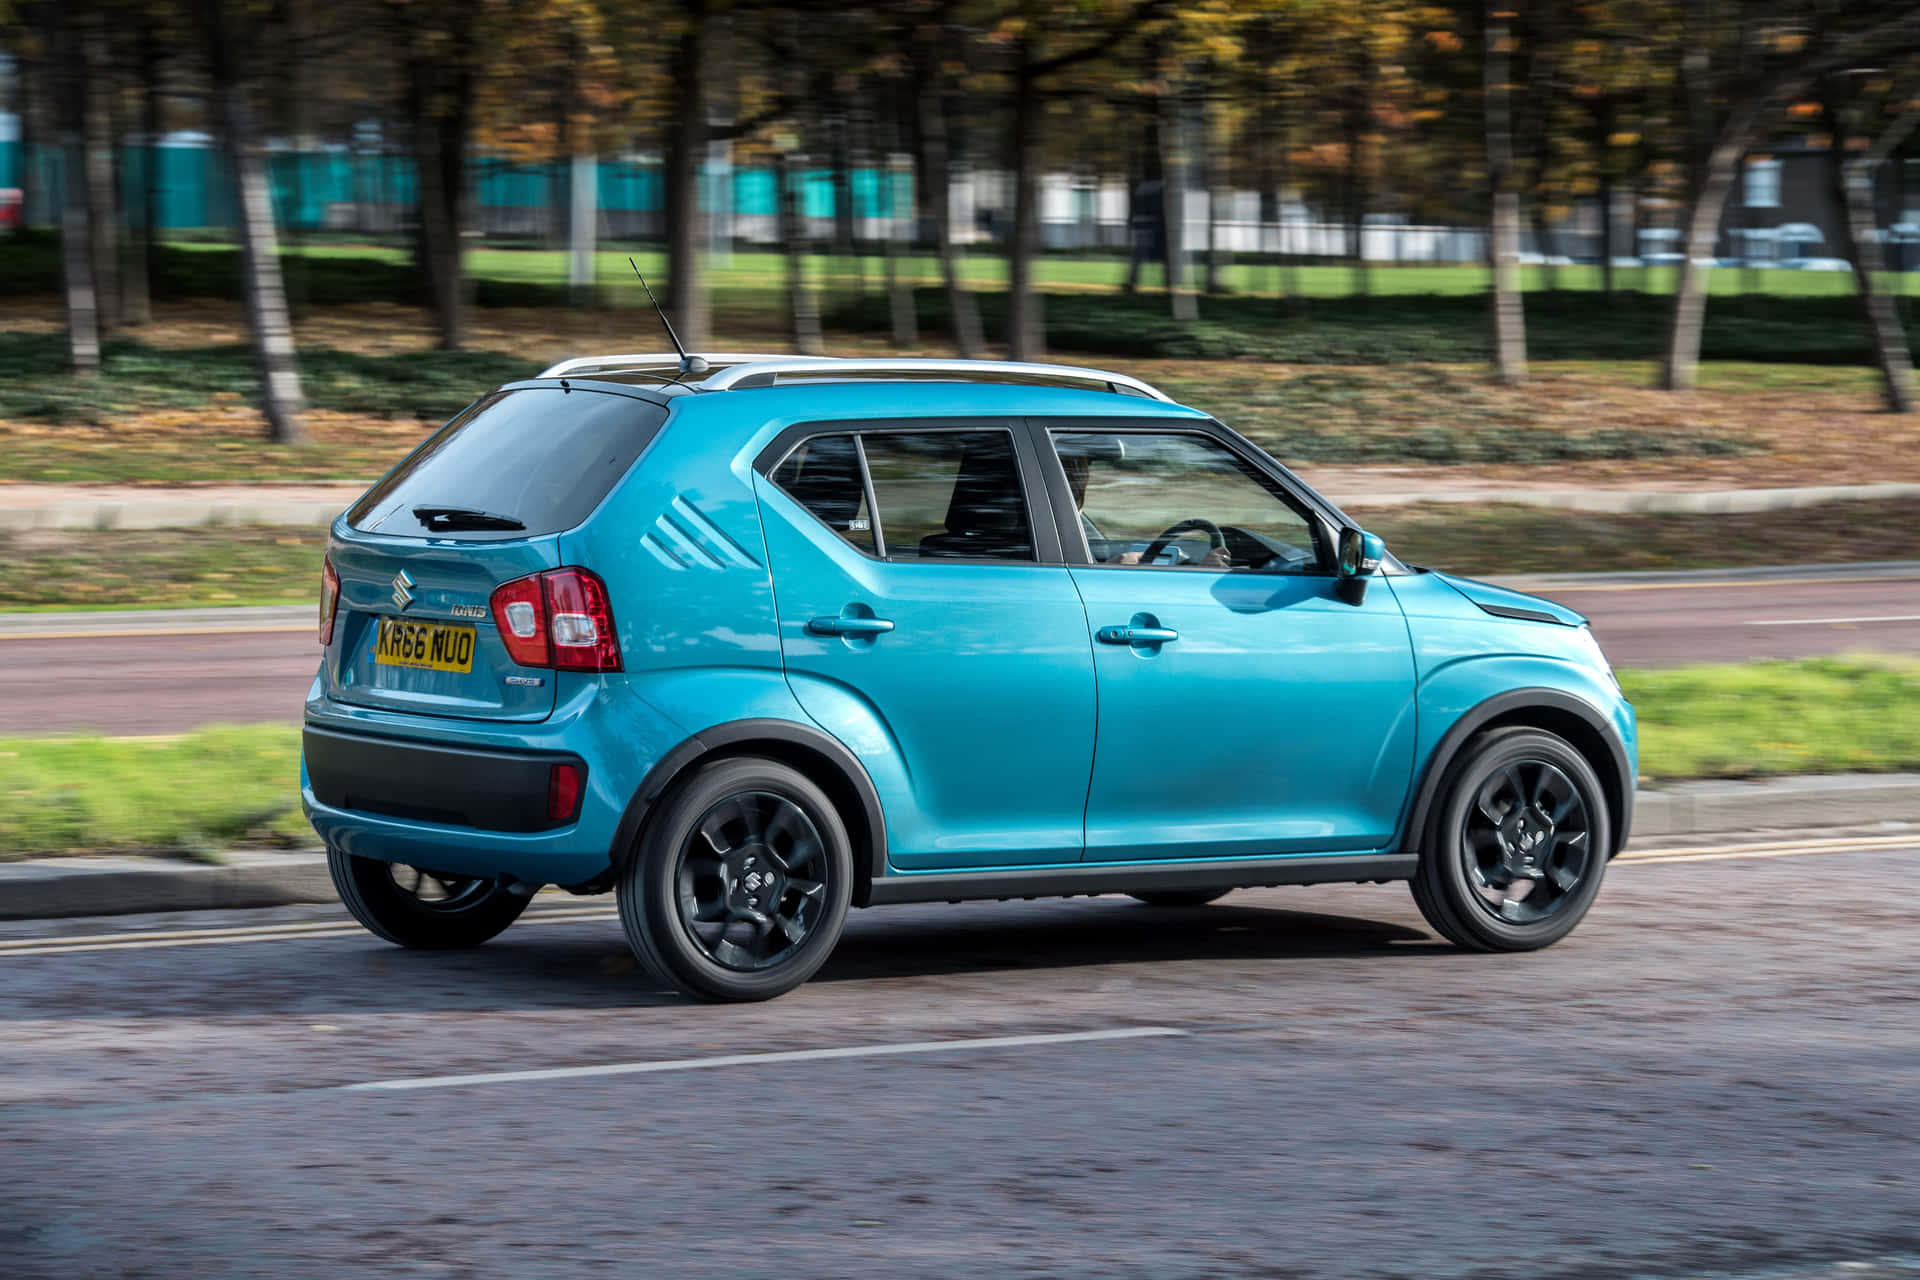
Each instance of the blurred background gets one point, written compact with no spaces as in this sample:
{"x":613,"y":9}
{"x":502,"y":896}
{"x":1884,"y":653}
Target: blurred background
{"x":1560,"y":286}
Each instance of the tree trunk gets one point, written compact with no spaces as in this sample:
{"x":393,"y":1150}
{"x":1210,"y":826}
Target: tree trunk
{"x":1359,"y":105}
{"x":66,"y":76}
{"x":963,"y":314}
{"x":846,"y":249}
{"x":687,"y":296}
{"x":1173,"y":208}
{"x":1503,"y":240}
{"x":280,"y":397}
{"x":1854,"y":187}
{"x":24,"y":76}
{"x":144,"y":239}
{"x":1680,"y":367}
{"x":906,"y":328}
{"x":802,"y":306}
{"x":1026,"y":334}
{"x":103,"y":210}
{"x":1210,"y":182}
{"x":1603,"y":130}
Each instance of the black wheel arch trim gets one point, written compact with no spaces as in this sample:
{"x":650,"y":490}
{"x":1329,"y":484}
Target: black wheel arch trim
{"x":725,"y":739}
{"x":1512,"y":707}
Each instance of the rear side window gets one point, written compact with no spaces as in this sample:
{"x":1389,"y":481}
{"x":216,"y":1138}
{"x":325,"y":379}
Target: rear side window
{"x":539,"y":456}
{"x":823,"y":475}
{"x":949,"y":495}
{"x":941,"y":495}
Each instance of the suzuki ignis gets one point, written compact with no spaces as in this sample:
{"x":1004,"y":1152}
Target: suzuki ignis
{"x":751,"y":640}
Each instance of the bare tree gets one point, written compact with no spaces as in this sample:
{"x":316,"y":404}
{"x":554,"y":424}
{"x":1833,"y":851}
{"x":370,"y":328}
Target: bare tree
{"x":280,"y":396}
{"x":1753,"y":108}
{"x":936,"y":140}
{"x":1852,"y":186}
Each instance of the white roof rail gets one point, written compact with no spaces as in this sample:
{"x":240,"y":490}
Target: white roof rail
{"x":669,"y":361}
{"x":765,"y":371}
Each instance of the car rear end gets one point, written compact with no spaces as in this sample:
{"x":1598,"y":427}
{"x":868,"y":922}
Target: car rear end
{"x":450,"y":725}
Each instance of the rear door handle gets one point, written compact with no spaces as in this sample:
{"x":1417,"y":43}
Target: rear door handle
{"x":839,"y":624}
{"x":1136,"y":635}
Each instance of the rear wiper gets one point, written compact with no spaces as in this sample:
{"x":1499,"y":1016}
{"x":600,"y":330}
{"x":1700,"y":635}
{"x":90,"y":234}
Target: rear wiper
{"x":449,"y":518}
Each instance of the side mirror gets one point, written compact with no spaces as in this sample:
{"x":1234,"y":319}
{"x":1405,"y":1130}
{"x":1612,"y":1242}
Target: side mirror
{"x":1360,"y":552}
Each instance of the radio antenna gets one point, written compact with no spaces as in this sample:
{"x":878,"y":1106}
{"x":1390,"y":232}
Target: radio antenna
{"x":689,"y":365}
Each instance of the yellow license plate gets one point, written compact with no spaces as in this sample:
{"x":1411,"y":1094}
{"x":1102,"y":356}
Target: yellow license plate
{"x":424,"y":646}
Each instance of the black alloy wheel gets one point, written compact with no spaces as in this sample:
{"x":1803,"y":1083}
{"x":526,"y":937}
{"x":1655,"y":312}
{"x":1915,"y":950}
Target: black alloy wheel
{"x":740,"y":884}
{"x":415,"y":907}
{"x":1529,"y":838}
{"x":1516,"y":843}
{"x":747,"y":888}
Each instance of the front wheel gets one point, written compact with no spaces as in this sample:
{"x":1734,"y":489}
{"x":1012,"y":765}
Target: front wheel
{"x":427,"y":910}
{"x":1517,"y":843}
{"x":741,"y":884}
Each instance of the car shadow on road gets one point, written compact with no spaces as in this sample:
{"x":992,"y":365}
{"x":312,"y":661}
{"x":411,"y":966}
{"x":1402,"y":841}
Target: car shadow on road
{"x":978,"y":939}
{"x":587,"y":965}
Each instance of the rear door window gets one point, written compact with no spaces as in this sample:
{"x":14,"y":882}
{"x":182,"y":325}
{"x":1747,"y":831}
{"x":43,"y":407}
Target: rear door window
{"x":948,"y":495}
{"x":540,"y":457}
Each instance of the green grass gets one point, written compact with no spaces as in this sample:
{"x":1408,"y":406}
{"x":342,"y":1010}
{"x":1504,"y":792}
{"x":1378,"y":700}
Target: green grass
{"x":160,"y":568}
{"x":1819,"y":715}
{"x":199,"y":793}
{"x":228,"y":787}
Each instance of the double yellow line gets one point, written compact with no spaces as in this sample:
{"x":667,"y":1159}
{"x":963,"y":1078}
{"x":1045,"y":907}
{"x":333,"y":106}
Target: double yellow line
{"x":251,"y":933}
{"x":591,"y":914}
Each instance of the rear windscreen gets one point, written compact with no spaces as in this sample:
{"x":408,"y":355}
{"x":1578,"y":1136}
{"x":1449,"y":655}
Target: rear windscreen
{"x":540,"y":456}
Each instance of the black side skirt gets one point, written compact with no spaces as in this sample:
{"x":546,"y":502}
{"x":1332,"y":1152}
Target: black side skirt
{"x":1098,"y":878}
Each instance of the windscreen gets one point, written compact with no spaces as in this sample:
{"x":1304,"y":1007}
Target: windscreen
{"x":540,"y":458}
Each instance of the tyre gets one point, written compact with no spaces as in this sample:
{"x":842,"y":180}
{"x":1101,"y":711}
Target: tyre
{"x":740,"y":885}
{"x":1180,"y":897}
{"x":427,"y":910}
{"x":1516,"y":844}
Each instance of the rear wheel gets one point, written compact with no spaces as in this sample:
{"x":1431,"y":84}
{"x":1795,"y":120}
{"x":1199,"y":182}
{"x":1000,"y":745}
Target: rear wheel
{"x":1517,"y":843}
{"x":414,"y":907}
{"x":1180,"y":897}
{"x":741,"y":884}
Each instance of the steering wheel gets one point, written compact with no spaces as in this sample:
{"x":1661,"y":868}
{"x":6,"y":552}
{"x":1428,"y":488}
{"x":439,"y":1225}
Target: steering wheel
{"x":1217,"y":539}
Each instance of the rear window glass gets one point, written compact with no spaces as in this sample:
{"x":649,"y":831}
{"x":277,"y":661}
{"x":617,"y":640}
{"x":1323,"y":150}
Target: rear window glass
{"x":540,"y":456}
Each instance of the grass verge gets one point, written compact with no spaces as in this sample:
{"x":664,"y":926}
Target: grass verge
{"x":1856,"y":714}
{"x":237,"y":786}
{"x":198,"y":793}
{"x":1482,"y":541}
{"x":190,"y":568}
{"x":159,"y":568}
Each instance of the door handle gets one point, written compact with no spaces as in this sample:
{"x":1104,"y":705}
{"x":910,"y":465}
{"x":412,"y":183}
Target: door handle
{"x":839,"y":624}
{"x":1136,"y":635}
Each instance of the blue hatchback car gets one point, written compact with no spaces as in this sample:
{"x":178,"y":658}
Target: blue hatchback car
{"x":752,"y":647}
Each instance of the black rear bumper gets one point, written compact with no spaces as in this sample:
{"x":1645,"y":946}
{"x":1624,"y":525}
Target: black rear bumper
{"x":454,"y":786}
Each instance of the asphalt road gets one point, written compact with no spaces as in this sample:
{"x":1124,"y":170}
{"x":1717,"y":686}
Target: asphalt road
{"x":1719,"y":1074}
{"x":161,"y":676}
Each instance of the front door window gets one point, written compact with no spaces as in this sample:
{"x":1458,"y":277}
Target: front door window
{"x":1176,"y":500}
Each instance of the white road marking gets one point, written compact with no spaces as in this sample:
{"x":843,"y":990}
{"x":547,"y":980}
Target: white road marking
{"x":1830,"y":622}
{"x":759,"y":1059}
{"x":132,"y":632}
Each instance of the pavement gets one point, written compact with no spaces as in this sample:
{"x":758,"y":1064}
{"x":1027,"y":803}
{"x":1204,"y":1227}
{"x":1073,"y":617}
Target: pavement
{"x":166,"y":671}
{"x":1717,"y":1075}
{"x":55,"y":506}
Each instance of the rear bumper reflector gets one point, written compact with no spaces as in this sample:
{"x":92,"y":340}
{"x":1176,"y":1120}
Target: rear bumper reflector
{"x":488,"y":790}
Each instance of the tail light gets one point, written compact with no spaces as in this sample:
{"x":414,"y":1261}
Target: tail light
{"x":329,"y":600}
{"x":560,"y":619}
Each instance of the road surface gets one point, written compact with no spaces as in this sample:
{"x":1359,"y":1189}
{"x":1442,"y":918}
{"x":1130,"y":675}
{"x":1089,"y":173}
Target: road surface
{"x":165,"y":673}
{"x":1718,"y":1074}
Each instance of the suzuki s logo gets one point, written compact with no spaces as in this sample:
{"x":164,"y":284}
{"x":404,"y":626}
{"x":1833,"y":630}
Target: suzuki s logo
{"x":402,"y":590}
